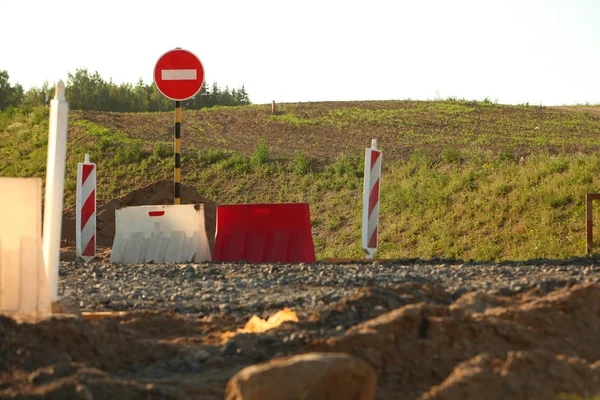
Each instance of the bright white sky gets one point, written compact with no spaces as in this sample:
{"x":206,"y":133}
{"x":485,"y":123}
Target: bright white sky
{"x":512,"y":51}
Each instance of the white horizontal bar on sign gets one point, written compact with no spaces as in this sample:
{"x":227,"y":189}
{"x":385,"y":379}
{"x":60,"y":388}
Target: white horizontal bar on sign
{"x":178,"y":74}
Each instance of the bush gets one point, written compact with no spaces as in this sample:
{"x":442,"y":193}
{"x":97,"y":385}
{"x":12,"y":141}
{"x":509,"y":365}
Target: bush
{"x":345,"y":165}
{"x":261,"y":153}
{"x":301,"y":164}
{"x":163,"y":150}
{"x":214,"y":156}
{"x":130,"y":152}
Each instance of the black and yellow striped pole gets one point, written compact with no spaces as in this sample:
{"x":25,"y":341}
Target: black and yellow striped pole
{"x":177,"y":197}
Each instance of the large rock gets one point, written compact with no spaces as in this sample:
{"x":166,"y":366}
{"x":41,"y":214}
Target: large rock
{"x":314,"y":376}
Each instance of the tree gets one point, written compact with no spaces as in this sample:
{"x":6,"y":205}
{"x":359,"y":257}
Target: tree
{"x":38,"y":96}
{"x":87,"y":91}
{"x":80,"y":90}
{"x":242,"y":96}
{"x":141,"y":98}
{"x":10,"y":96}
{"x":226,"y":97}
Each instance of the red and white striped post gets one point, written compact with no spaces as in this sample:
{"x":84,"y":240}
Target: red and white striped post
{"x":85,"y":215}
{"x":372,"y":183}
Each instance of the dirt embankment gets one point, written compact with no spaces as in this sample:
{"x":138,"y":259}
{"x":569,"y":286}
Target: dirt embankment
{"x":158,"y":193}
{"x":532,"y":345}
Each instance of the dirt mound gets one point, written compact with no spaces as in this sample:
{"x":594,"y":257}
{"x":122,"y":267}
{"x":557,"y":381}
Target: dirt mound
{"x":107,"y":345}
{"x":420,"y":346}
{"x":155,"y":194}
{"x":531,"y":345}
{"x":517,"y":376}
{"x":371,"y":301}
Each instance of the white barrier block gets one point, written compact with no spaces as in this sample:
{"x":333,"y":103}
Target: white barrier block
{"x":162,"y":234}
{"x":24,"y":292}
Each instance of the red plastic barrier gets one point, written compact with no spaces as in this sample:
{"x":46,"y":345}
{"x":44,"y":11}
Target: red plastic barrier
{"x":261,"y":233}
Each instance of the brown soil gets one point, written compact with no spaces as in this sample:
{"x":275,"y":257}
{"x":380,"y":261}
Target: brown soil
{"x":155,"y":194}
{"x":529,"y":346}
{"x":595,"y":110}
{"x":308,"y":127}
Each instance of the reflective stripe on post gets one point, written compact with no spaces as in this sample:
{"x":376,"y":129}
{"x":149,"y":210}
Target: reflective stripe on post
{"x":85,"y":214}
{"x":372,"y":182}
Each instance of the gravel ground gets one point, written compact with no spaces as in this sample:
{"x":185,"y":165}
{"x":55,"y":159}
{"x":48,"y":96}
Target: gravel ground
{"x":186,"y":335}
{"x":241,"y":289}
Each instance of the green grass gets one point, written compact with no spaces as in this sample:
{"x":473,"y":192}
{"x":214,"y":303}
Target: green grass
{"x":462,"y":180}
{"x":576,"y":397}
{"x":483,"y":209}
{"x":23,"y":142}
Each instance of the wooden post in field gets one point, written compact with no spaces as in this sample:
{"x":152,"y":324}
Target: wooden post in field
{"x":589,"y":225}
{"x":273,"y":107}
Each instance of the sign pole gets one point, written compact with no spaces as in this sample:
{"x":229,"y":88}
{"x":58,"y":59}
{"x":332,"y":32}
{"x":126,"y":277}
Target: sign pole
{"x":178,"y":74}
{"x":177,"y":188}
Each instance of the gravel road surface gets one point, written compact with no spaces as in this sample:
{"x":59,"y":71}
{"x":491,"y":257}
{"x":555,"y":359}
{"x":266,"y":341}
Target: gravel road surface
{"x":240,"y":288}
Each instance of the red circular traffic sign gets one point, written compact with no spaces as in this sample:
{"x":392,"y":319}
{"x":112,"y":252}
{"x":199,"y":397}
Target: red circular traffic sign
{"x":178,"y":74}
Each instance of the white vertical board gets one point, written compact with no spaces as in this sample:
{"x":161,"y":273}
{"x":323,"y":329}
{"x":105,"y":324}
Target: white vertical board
{"x":23,"y":283}
{"x":55,"y":184}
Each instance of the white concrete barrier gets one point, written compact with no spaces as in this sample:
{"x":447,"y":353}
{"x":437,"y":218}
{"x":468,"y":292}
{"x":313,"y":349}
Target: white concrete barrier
{"x":162,"y":234}
{"x":24,"y":292}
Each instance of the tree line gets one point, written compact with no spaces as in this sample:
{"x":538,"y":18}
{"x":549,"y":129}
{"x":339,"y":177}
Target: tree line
{"x":87,"y":91}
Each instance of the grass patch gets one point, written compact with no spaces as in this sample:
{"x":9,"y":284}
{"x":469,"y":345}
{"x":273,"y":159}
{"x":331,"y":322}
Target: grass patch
{"x":461,"y":179}
{"x":301,"y":164}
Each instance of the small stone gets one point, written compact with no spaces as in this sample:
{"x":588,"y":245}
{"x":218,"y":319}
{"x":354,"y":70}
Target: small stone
{"x":230,"y":348}
{"x":83,"y":392}
{"x":52,"y":373}
{"x":175,"y":364}
{"x":63,"y":306}
{"x":200,"y":355}
{"x":215,"y":361}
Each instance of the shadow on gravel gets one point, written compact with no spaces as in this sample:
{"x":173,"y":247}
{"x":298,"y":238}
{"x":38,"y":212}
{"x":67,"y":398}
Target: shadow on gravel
{"x":590,"y":260}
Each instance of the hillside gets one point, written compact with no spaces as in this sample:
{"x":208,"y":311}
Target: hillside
{"x":327,"y":130}
{"x":461,"y":180}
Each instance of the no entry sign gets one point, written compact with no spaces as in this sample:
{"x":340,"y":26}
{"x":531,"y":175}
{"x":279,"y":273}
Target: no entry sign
{"x":178,"y":74}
